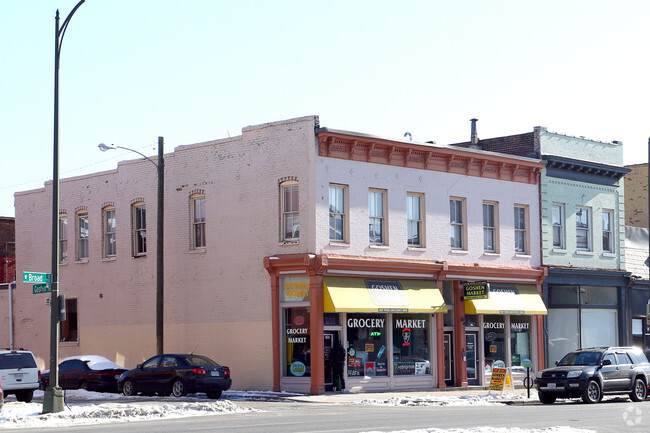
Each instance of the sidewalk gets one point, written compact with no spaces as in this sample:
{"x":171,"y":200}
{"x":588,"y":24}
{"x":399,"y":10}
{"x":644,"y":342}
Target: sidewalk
{"x":519,"y":396}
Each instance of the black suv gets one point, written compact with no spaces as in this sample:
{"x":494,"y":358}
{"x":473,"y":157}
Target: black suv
{"x":591,"y":373}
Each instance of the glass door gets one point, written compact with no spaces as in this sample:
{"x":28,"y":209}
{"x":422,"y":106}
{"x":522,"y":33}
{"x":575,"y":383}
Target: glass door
{"x":471,"y":356}
{"x":449,"y":357}
{"x":329,"y":338}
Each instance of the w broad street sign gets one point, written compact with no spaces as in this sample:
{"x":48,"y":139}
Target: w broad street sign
{"x":36,"y":277}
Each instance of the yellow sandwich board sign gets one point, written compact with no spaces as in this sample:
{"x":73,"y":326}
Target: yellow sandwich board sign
{"x":501,"y":380}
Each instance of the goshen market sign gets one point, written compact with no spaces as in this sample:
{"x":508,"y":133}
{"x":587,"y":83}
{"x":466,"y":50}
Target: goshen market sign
{"x":478,"y":290}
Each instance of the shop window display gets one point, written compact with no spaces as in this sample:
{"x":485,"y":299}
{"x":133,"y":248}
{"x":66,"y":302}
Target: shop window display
{"x":366,"y":345}
{"x":297,"y":340}
{"x":494,"y":333}
{"x":520,"y":332}
{"x":411,"y":345}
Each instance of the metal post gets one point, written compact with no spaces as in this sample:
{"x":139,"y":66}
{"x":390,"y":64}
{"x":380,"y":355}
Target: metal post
{"x":160,"y":262}
{"x":53,"y":400}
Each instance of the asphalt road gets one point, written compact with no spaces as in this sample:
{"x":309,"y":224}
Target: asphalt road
{"x":618,"y":416}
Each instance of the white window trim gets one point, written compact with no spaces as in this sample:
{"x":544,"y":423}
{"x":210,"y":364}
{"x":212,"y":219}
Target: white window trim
{"x":79,"y":239}
{"x":588,"y":230}
{"x":106,"y":234}
{"x":561,"y":226}
{"x":193,"y":223}
{"x":63,"y":239}
{"x":136,"y":230}
{"x":494,"y":228}
{"x":382,"y":219}
{"x":609,"y":212}
{"x":526,"y":230}
{"x":344,"y":216}
{"x":420,"y":223}
{"x":285,"y":214}
{"x":462,"y":225}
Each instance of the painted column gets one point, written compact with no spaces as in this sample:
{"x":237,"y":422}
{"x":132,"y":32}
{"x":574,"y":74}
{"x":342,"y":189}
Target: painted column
{"x":459,"y":336}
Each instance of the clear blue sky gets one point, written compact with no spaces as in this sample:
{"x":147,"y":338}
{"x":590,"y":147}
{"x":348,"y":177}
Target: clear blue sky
{"x":199,"y":70}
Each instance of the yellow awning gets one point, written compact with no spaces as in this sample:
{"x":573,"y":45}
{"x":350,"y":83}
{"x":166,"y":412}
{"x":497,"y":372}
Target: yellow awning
{"x":508,"y":299}
{"x":368,"y":295}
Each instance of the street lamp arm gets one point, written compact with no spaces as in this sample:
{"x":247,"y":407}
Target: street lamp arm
{"x":65,"y":24}
{"x":104,"y":147}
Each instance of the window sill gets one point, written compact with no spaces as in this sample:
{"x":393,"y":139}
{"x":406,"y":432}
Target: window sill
{"x":417,"y":249}
{"x":605,"y":254}
{"x":198,"y":251}
{"x":296,"y":242}
{"x":379,"y":247}
{"x":584,"y":253}
{"x":63,"y":263}
{"x":81,"y":261}
{"x":522,"y":256}
{"x":491,"y":254}
{"x":462,"y":252}
{"x":339,"y":244}
{"x":139,"y":256}
{"x":559,"y":251}
{"x":69,"y":343}
{"x":108,"y":259}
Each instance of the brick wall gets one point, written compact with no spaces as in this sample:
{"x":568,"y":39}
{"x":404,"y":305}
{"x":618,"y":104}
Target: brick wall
{"x":636,"y":196}
{"x":7,"y":249}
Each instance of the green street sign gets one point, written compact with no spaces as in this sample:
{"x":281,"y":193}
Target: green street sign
{"x":41,"y":288}
{"x":36,"y":277}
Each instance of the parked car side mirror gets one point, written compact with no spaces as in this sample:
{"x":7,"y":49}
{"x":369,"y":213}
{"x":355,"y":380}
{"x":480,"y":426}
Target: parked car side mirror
{"x":139,"y":366}
{"x":606,"y":362}
{"x":557,"y":362}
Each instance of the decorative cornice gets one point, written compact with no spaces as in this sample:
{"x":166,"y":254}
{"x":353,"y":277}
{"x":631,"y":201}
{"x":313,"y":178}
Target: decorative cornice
{"x":468,"y":162}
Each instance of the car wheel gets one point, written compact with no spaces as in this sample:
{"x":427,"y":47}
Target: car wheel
{"x":592,"y":393}
{"x":214,"y":395}
{"x":639,"y":391}
{"x":25,"y":396}
{"x":546,"y":398}
{"x":128,"y":388}
{"x":179,"y":389}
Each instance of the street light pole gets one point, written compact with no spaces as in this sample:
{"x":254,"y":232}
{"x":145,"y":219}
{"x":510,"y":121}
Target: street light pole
{"x":53,"y":400}
{"x":160,"y":260}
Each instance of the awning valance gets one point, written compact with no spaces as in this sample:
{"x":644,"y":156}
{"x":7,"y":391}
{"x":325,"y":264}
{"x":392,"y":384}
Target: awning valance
{"x":508,"y":299}
{"x":368,"y":295}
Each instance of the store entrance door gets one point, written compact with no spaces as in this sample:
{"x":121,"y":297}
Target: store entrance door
{"x":449,"y":357}
{"x":330,"y":338}
{"x":471,"y":354}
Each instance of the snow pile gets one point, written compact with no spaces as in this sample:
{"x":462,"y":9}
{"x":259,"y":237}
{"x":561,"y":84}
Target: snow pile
{"x":495,"y":430}
{"x":17,"y":415}
{"x":442,"y":400}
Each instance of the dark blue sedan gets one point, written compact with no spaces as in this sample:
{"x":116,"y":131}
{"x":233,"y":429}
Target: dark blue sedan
{"x":176,"y":374}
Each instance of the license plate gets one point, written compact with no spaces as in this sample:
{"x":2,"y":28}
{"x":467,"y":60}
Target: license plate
{"x":550,"y":386}
{"x":18,"y":376}
{"x":214,"y":373}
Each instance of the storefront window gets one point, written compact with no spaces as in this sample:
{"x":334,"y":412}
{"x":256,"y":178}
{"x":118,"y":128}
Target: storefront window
{"x":520,"y":332}
{"x":297,"y":340}
{"x":411,"y":344}
{"x":366,"y":345}
{"x":563,"y":332}
{"x":494,"y":333}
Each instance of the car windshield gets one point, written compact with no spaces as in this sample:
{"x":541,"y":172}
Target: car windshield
{"x":198,"y":360}
{"x":581,"y":358}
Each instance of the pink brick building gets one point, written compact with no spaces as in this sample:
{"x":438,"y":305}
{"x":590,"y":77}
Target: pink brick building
{"x":288,"y":237}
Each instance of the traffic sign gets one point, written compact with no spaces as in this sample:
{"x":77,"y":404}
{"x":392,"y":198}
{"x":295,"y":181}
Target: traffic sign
{"x":36,"y":277}
{"x":41,"y":288}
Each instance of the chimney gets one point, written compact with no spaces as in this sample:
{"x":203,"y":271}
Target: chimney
{"x":474,"y":138}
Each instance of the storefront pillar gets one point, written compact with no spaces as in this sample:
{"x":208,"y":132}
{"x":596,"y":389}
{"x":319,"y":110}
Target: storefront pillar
{"x":459,"y":337}
{"x":539,"y":336}
{"x":275,"y":328}
{"x":440,"y":348}
{"x":317,"y":345}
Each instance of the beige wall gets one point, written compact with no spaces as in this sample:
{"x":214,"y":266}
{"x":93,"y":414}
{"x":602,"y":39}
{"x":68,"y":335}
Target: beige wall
{"x":636,"y":196}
